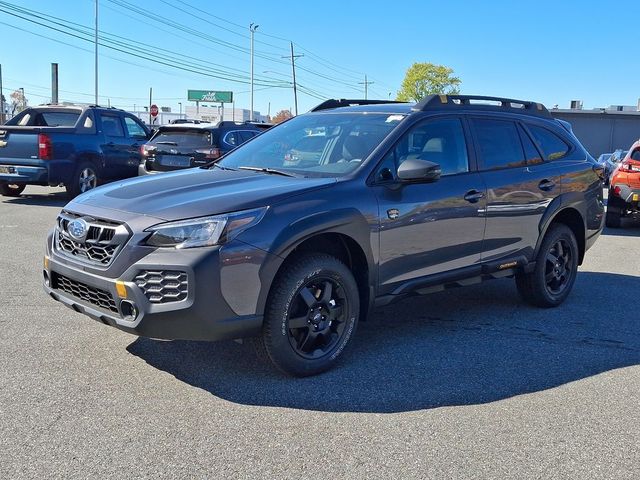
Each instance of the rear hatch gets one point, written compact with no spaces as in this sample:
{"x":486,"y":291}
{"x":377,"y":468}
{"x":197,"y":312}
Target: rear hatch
{"x":179,"y":147}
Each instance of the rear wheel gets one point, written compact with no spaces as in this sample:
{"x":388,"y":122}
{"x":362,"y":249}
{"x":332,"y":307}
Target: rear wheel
{"x":11,"y":189}
{"x":549,"y":284}
{"x":613,"y":218}
{"x":615,"y":205}
{"x":84,"y":179}
{"x":311,"y":315}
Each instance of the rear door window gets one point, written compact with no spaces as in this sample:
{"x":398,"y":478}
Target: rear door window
{"x":531,"y":153}
{"x":635,"y":155}
{"x":499,"y":143}
{"x":552,"y":146}
{"x":183,"y":137}
{"x":111,"y":125}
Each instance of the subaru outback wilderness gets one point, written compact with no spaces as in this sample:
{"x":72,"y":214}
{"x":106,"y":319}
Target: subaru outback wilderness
{"x":294,"y":250}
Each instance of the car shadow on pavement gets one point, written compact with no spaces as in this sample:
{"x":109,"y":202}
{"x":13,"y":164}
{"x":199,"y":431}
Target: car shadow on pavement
{"x":56,"y":199}
{"x":460,"y":347}
{"x":630,"y":228}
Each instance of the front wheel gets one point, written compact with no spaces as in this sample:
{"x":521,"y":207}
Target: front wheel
{"x":85,"y":178}
{"x":311,"y":315}
{"x":550,"y":283}
{"x":11,"y":189}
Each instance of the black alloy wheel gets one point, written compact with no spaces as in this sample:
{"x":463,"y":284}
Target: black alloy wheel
{"x":559,"y":266}
{"x":316,"y":319}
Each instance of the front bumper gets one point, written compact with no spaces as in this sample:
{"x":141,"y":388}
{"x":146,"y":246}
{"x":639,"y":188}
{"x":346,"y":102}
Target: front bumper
{"x":218,"y":304}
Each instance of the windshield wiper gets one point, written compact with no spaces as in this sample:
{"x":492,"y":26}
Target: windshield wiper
{"x":271,"y":171}
{"x":214,"y":163}
{"x":167,"y":143}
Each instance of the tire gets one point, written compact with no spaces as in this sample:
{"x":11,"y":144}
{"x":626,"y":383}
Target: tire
{"x":318,"y":294}
{"x":11,"y":189}
{"x":85,"y":178}
{"x":613,"y":219}
{"x":550,"y":283}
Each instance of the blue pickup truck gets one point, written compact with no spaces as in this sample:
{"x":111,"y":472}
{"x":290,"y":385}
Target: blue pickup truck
{"x":78,"y":147}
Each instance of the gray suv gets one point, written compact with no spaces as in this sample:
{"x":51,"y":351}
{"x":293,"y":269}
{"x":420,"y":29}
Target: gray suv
{"x":293,"y":250}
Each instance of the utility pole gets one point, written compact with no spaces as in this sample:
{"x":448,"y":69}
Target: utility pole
{"x":180,"y":103}
{"x":293,"y":72}
{"x":54,"y":83}
{"x":150,"y":103}
{"x":366,"y":86}
{"x":1,"y":99}
{"x":252,"y":29}
{"x":96,"y":54}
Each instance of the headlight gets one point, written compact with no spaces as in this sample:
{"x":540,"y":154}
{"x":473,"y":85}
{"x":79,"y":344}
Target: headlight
{"x":203,"y":231}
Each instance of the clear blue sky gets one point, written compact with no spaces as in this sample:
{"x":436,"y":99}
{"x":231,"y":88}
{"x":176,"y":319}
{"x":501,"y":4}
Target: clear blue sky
{"x":549,"y":51}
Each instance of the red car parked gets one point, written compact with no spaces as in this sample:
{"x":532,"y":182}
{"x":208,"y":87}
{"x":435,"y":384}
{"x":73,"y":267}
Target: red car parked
{"x":624,"y":189}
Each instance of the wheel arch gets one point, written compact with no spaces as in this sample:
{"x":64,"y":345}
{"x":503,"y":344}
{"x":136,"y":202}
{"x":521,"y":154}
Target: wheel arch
{"x":572,"y":218}
{"x":344,"y":235}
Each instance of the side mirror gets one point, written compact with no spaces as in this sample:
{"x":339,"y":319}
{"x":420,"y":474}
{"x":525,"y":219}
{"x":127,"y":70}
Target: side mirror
{"x":416,"y":170}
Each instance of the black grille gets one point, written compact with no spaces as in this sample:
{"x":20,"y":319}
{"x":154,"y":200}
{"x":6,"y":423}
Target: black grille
{"x":163,"y":286}
{"x":102,"y":242}
{"x":82,"y":291}
{"x":90,"y":251}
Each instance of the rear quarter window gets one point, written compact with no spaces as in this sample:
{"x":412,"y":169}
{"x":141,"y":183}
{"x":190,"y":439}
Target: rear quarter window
{"x":552,"y":146}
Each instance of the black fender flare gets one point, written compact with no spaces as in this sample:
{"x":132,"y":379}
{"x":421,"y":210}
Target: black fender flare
{"x":348,"y":222}
{"x":563,"y":202}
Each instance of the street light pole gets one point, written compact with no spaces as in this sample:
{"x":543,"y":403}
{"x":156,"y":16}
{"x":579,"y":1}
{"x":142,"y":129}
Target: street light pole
{"x":252,"y":29}
{"x":96,"y":53}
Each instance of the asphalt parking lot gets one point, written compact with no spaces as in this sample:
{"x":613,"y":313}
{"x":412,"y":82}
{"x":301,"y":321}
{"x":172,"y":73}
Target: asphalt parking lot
{"x":469,"y":383}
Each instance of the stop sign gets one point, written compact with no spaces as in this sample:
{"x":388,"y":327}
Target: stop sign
{"x":154,"y":110}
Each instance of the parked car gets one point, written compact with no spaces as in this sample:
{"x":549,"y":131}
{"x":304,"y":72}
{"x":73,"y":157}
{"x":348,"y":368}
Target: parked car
{"x":624,"y":188}
{"x":79,"y":147}
{"x":603,"y":158}
{"x":612,"y":163}
{"x":402,"y":199}
{"x":174,"y":147}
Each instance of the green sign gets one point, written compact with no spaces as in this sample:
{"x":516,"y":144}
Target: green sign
{"x":209,"y":96}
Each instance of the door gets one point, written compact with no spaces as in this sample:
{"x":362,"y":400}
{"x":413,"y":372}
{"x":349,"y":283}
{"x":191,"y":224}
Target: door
{"x":520,"y":182}
{"x":116,"y":148}
{"x":137,"y":135}
{"x":429,"y":228}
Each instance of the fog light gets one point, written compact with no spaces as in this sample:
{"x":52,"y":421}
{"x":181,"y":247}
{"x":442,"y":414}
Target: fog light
{"x":129,"y":310}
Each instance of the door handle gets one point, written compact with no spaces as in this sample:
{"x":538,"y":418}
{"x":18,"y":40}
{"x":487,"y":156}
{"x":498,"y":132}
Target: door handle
{"x":473,"y":196}
{"x":546,"y":185}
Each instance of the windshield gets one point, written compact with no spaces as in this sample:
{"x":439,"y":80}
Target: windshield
{"x":320,"y":144}
{"x":183,"y":137}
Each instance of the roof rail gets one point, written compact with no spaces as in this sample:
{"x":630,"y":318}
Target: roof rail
{"x":490,"y":103}
{"x":343,"y":102}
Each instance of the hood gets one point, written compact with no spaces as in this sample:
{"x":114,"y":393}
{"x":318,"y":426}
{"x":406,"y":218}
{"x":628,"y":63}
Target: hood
{"x":196,"y":192}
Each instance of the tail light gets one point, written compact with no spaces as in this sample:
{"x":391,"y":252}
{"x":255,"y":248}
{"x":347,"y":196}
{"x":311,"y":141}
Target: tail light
{"x":616,"y":191}
{"x":209,"y":153}
{"x":146,"y":150}
{"x":45,"y":149}
{"x":629,"y":167}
